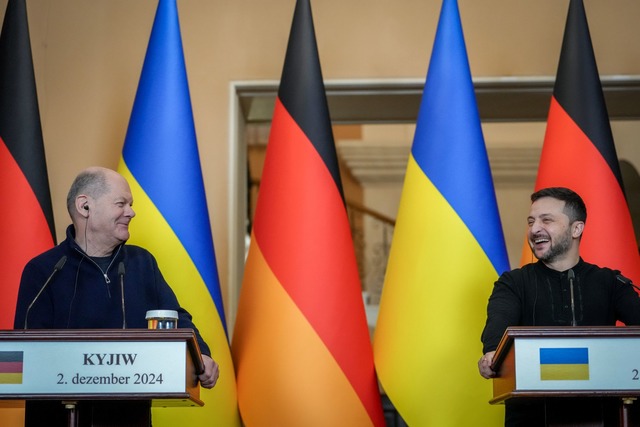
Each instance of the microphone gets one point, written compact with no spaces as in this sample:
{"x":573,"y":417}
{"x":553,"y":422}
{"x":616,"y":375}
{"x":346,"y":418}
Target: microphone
{"x":56,"y":268}
{"x":571,"y":276}
{"x":121,"y":274}
{"x":626,"y":281}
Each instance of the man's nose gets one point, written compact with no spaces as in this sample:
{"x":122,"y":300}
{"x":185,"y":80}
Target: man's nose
{"x":535,"y":226}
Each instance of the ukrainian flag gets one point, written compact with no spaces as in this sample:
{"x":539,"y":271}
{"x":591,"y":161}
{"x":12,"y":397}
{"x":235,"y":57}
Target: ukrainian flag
{"x":564,"y":364}
{"x":161,"y":162}
{"x":447,"y":250}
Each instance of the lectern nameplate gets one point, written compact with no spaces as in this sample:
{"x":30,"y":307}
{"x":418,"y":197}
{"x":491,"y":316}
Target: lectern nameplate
{"x":570,"y":364}
{"x":93,"y":367}
{"x":572,"y":361}
{"x":156,"y":365}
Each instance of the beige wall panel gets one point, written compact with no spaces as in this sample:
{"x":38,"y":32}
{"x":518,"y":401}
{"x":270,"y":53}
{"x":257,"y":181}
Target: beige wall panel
{"x":88,"y":56}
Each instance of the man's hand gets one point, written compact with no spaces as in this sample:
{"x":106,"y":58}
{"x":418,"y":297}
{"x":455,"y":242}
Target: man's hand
{"x":484,"y":365}
{"x":209,"y":377}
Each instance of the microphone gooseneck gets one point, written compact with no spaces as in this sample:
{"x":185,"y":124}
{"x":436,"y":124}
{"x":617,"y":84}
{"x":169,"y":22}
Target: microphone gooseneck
{"x":626,"y":281}
{"x":571,"y":276}
{"x":56,"y":268}
{"x":121,"y":274}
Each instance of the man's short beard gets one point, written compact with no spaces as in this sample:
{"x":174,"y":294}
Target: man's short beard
{"x":558,"y":248}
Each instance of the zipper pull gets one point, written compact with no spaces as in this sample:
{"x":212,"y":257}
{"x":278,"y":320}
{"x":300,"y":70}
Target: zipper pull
{"x":106,"y":278}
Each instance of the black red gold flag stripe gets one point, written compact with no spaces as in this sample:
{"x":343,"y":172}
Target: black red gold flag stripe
{"x":301,"y":342}
{"x":26,"y":221}
{"x":11,"y":364}
{"x":582,"y":98}
{"x":579,"y":152}
{"x":302,"y":92}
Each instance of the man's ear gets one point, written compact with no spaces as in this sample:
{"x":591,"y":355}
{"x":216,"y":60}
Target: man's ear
{"x":578,"y":228}
{"x":82,"y":205}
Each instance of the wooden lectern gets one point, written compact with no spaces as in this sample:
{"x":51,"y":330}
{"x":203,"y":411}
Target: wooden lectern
{"x":113,"y":366}
{"x":596,"y":366}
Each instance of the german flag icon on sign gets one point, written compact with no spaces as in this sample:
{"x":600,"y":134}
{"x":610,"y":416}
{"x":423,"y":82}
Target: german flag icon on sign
{"x":11,"y":367}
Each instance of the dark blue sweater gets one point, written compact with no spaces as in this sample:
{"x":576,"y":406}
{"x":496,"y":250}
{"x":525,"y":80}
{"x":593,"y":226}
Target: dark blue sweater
{"x":83,"y":296}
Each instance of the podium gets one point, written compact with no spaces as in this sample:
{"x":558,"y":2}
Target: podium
{"x":113,"y":366}
{"x":558,"y":366}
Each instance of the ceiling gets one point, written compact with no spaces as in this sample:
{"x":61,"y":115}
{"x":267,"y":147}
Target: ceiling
{"x":397,"y":101}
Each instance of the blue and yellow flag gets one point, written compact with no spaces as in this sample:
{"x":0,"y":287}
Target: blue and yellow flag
{"x":563,"y":364}
{"x":161,"y":162}
{"x":447,"y":250}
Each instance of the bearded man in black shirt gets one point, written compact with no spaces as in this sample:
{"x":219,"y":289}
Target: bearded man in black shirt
{"x":539,"y":294}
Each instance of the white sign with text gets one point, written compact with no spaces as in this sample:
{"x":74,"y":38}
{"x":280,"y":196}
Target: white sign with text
{"x":54,"y":367}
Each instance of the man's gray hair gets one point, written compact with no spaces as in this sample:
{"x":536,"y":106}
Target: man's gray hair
{"x":92,"y":182}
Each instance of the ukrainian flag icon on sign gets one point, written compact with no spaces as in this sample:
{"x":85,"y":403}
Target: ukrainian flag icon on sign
{"x":564,"y":364}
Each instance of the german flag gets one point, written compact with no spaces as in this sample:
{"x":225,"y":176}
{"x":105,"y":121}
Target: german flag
{"x":11,"y":367}
{"x":26,"y":224}
{"x":579,"y":153}
{"x":301,"y":344}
